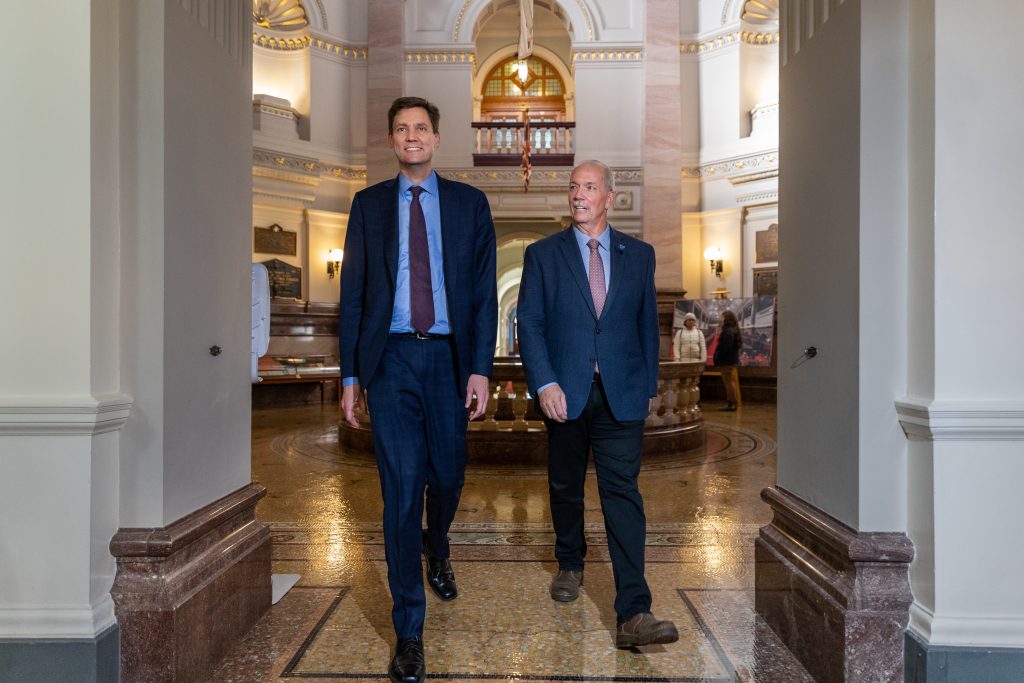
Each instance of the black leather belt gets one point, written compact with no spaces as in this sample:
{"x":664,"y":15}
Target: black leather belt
{"x":420,"y":335}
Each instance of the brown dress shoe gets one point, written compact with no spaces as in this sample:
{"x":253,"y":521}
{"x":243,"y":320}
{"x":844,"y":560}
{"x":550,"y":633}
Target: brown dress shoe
{"x":644,"y":629}
{"x":565,"y":587}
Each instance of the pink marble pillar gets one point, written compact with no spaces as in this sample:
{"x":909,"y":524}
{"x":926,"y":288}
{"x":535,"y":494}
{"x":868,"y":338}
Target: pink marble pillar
{"x":662,"y":141}
{"x":385,"y":81}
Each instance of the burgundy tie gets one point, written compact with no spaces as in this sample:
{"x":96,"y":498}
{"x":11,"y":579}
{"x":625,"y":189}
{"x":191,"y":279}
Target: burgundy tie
{"x":421,"y":292}
{"x":596,"y":276}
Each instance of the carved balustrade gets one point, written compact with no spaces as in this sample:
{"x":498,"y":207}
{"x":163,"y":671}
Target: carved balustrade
{"x":512,"y":426}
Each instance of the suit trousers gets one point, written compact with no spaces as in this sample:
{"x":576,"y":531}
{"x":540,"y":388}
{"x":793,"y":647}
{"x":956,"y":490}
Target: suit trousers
{"x":617,"y":448}
{"x":419,"y":425}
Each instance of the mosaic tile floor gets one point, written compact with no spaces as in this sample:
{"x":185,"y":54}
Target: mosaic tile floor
{"x":703,"y":513}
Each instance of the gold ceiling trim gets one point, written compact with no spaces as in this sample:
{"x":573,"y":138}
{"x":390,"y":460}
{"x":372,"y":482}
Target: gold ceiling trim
{"x":283,"y":44}
{"x":279,"y":15}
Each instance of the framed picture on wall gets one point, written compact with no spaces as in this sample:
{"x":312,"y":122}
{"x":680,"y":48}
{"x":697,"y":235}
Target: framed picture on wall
{"x":766,"y":281}
{"x":766,"y":244}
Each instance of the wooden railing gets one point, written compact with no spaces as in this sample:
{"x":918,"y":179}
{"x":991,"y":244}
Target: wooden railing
{"x":500,"y":143}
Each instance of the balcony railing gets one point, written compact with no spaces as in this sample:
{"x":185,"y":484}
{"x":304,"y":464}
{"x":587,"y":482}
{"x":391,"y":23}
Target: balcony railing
{"x":500,"y":143}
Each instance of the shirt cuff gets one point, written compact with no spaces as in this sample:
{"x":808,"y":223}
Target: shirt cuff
{"x":349,"y":381}
{"x":549,"y":384}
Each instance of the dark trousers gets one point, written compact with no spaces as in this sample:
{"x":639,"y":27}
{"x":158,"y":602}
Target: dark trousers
{"x":419,"y":436}
{"x":617,"y":448}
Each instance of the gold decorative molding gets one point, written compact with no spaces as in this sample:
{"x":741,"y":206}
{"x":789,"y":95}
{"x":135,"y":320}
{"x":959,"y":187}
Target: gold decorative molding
{"x":459,"y":18}
{"x":303,"y":166}
{"x":350,"y":51}
{"x":513,"y":177}
{"x":756,"y":163}
{"x":279,"y":15}
{"x":761,"y":12}
{"x":751,"y":38}
{"x":283,"y":44}
{"x":607,"y":56}
{"x":421,"y":57}
{"x":710,"y":44}
{"x":586,"y":18}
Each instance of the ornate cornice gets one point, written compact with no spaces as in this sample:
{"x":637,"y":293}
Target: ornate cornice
{"x":723,"y":40}
{"x":630,"y":55}
{"x":439,"y":57}
{"x":513,"y":178}
{"x":760,"y":38}
{"x":758,"y":198}
{"x":281,"y":43}
{"x":304,"y":167}
{"x":734,"y":166}
{"x":357,"y":52}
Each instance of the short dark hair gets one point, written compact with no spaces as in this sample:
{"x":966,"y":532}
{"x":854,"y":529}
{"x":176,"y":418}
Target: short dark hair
{"x":412,"y":103}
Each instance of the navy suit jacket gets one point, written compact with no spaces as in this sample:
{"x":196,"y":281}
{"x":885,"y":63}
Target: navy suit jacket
{"x":370,"y":268}
{"x":560,"y":335}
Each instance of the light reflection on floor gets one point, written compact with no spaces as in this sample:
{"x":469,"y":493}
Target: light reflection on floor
{"x":323,"y":507}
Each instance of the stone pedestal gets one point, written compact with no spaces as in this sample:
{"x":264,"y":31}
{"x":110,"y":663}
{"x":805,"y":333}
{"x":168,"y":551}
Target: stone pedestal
{"x":186,"y":593}
{"x":839,"y":599}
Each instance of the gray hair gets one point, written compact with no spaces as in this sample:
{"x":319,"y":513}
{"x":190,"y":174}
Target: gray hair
{"x":609,"y":177}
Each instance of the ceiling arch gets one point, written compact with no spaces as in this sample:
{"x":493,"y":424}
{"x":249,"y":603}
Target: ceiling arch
{"x":468,"y":15}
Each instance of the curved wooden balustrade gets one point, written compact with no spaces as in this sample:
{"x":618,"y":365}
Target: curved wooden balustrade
{"x":513,"y":428}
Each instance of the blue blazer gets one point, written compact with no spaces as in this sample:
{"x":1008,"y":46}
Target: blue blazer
{"x":560,"y":335}
{"x":370,"y":268}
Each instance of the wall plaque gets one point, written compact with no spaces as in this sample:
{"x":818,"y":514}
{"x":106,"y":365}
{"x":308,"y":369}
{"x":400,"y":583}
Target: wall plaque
{"x":766,"y":244}
{"x":766,"y":281}
{"x":285,"y":279}
{"x":275,"y":240}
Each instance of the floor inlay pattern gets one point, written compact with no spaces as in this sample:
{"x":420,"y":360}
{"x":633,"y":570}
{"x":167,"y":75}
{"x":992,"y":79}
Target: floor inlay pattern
{"x":724,"y":442}
{"x":703,"y":514}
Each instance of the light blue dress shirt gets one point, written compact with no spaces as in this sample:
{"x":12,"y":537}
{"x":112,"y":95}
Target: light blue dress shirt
{"x":604,"y":241}
{"x":401,"y":317}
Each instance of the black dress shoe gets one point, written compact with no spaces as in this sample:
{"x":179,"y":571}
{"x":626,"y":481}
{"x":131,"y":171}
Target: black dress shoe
{"x":440,"y":576}
{"x":408,"y":665}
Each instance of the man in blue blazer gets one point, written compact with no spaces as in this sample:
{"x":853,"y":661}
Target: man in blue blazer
{"x":418,"y":322}
{"x":588,"y":336}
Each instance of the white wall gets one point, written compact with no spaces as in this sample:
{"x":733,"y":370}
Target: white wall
{"x":963,"y":406}
{"x":284,"y":74}
{"x":59,"y":403}
{"x":609,"y":128}
{"x":819,"y":281}
{"x":186,"y":263}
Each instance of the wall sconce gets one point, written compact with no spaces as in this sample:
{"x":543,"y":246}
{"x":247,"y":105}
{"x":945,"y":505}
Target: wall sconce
{"x":714,"y":257}
{"x":334,"y":262}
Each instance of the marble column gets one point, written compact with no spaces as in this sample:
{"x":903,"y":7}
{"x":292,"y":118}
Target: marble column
{"x":385,"y":81}
{"x":662,"y":141}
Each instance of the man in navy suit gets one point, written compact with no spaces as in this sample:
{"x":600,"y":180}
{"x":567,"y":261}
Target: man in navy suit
{"x":418,"y":322}
{"x":588,"y":336}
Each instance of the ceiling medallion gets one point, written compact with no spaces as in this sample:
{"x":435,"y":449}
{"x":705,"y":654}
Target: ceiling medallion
{"x":279,"y":15}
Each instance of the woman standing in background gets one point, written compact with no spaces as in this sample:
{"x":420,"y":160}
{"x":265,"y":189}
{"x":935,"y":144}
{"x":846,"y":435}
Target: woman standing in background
{"x":688,"y":341}
{"x":727,"y":358}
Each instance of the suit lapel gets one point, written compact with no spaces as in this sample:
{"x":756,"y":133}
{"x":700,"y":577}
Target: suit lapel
{"x":449,"y":215}
{"x":571,"y":252}
{"x":389,"y":229}
{"x":617,"y":247}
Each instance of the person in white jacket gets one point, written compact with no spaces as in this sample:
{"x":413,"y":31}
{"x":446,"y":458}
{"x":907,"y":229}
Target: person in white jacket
{"x":688,"y":342}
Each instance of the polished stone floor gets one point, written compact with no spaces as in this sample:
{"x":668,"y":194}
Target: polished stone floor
{"x":703,"y":510}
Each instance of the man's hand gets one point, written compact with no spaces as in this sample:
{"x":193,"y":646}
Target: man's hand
{"x":477,"y":386}
{"x":552,"y":403}
{"x":352,"y":396}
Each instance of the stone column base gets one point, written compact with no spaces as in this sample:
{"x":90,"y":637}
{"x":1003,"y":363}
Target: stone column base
{"x":186,"y":593}
{"x":839,"y":599}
